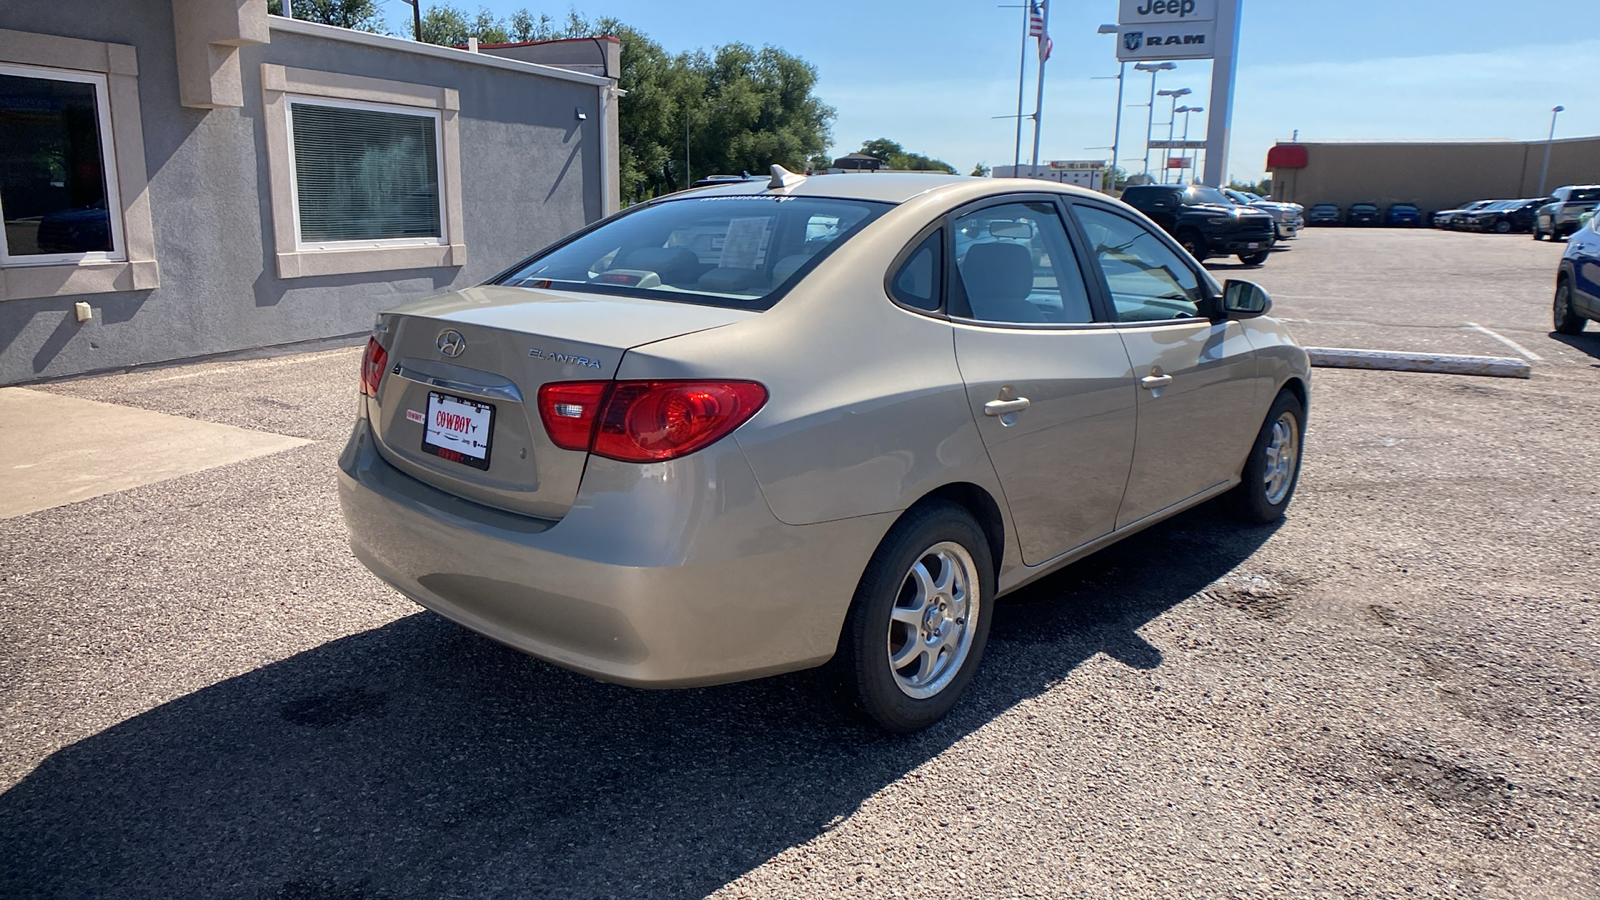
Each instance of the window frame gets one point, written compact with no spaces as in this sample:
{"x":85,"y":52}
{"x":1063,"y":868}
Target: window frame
{"x":283,"y":87}
{"x":1210,"y":310}
{"x":1093,"y":287}
{"x":301,"y":244}
{"x":108,"y":162}
{"x":134,"y":267}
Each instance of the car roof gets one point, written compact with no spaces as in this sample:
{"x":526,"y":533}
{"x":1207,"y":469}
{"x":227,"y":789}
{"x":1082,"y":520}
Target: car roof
{"x":885,"y":187}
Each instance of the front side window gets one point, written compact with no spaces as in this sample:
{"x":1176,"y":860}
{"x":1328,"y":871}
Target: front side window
{"x":1016,"y":267}
{"x":1147,"y":280}
{"x":57,"y":194}
{"x":364,"y":173}
{"x":740,"y":252}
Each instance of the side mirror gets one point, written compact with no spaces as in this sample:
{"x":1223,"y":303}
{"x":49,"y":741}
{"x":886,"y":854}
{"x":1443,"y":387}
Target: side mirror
{"x":1244,"y":300}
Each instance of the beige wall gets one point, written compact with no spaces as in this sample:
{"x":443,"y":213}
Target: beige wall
{"x":1433,"y":175}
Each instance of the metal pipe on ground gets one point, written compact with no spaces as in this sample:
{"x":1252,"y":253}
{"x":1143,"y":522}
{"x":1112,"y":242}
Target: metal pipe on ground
{"x":1401,"y":361}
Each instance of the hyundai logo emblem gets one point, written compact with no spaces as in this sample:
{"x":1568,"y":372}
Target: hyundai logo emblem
{"x":451,"y":343}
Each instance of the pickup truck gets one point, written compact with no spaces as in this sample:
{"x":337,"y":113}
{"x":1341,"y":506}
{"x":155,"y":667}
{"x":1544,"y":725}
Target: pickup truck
{"x":1205,"y":221}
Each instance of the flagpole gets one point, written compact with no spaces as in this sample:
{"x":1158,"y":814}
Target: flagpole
{"x":1022,"y":68}
{"x":1038,"y":102}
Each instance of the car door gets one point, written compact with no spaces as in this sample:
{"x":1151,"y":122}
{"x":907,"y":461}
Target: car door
{"x":1048,"y":380}
{"x":1198,"y":412}
{"x":1583,"y":250}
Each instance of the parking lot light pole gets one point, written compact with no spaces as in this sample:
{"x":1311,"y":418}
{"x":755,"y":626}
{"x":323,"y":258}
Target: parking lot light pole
{"x":1171,"y":119}
{"x":1116,"y":129}
{"x":1545,"y":169}
{"x":1150,"y":123}
{"x":1186,"y":110}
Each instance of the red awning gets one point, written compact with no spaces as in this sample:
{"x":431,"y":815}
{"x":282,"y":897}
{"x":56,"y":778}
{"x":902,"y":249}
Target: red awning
{"x":1287,"y":156}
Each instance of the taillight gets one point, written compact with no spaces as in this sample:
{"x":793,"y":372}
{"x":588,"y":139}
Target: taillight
{"x":569,"y":410}
{"x":646,"y":421}
{"x":373,"y":362}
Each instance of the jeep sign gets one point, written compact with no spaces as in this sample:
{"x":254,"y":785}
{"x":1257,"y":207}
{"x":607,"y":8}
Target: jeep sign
{"x":1190,"y":40}
{"x":1138,"y":13}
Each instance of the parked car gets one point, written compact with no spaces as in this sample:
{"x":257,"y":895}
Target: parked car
{"x":1324,"y":214}
{"x":1403,"y":215}
{"x":1363,"y":214}
{"x":663,"y":469}
{"x":1444,"y":217}
{"x":1559,"y":217}
{"x":1504,"y":217}
{"x":1577,"y":297}
{"x":1584,"y":219}
{"x":1205,"y":221}
{"x":1287,"y":218}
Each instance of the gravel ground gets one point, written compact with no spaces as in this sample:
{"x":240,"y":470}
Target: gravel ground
{"x":1394,"y":693}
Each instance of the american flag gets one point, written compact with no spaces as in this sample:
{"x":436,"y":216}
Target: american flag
{"x":1036,"y":28}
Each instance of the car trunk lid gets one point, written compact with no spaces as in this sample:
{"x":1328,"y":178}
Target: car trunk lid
{"x":457,"y":407}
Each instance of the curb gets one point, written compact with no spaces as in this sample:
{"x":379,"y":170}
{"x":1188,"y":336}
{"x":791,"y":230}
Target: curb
{"x":1398,"y":361}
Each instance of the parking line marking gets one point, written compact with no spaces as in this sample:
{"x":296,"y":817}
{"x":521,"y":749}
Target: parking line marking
{"x":1526,"y":353}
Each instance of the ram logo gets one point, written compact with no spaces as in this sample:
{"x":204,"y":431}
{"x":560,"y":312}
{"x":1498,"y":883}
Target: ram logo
{"x":1132,"y":40}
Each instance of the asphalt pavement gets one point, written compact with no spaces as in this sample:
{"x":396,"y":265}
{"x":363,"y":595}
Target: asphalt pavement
{"x":1393,"y":693}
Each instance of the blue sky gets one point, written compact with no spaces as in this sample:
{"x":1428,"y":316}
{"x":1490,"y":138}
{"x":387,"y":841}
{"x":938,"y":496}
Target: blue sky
{"x":931,"y":75}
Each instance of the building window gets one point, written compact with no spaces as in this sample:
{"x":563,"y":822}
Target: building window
{"x":365,"y":173}
{"x":58,"y":191}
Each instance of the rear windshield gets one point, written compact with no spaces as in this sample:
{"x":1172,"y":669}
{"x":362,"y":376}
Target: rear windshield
{"x":1585,"y":195}
{"x":736,"y":252}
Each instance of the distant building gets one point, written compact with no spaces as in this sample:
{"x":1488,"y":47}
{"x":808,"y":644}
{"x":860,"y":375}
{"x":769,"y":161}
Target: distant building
{"x":1434,"y":175}
{"x":1085,"y":173}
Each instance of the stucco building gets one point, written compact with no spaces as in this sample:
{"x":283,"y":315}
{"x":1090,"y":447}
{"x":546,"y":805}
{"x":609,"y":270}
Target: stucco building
{"x":207,"y":178}
{"x":1434,"y":175}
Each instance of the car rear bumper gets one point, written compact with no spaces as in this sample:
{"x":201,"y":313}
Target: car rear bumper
{"x":663,"y":575}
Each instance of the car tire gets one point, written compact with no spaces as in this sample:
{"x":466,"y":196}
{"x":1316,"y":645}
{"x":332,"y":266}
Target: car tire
{"x":1253,"y":259}
{"x":1273,"y":467}
{"x":1565,"y":319}
{"x":1537,"y":234}
{"x":927,"y":597}
{"x":1194,"y":244}
{"x":1502,"y":227}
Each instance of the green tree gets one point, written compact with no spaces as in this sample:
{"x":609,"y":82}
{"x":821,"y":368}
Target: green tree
{"x":740,"y":109}
{"x":981,"y":170}
{"x":451,"y":26}
{"x":899,"y":158}
{"x":358,"y":15}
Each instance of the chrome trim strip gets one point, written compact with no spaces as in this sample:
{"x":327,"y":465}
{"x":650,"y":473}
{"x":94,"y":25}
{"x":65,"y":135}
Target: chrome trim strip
{"x":509,"y":393}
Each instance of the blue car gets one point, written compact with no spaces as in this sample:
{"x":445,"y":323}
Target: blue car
{"x":1578,"y":280}
{"x":1403,"y":215}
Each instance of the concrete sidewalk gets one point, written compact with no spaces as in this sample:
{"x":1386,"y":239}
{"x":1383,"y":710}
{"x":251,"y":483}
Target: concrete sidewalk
{"x":59,"y":449}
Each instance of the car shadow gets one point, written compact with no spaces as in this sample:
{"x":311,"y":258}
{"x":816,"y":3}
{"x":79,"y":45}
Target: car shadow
{"x":1586,"y":342}
{"x":421,"y":759}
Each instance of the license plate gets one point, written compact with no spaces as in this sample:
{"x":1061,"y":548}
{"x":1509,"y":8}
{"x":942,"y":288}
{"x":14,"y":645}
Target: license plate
{"x":458,"y":429}
{"x":1251,"y":246}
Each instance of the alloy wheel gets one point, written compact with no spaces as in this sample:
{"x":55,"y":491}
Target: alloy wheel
{"x":1283,"y":451}
{"x":933,"y":620}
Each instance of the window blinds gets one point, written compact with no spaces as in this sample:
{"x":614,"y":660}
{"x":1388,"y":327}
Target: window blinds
{"x":363,"y":174}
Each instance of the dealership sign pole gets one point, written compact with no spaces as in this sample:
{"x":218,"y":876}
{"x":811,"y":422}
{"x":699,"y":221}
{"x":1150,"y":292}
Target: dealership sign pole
{"x":1151,"y":30}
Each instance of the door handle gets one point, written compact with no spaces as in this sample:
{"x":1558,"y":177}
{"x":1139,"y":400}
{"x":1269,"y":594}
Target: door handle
{"x":1005,"y":407}
{"x":1151,"y":382}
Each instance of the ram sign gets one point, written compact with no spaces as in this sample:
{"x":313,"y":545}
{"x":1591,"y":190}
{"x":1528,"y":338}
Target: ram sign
{"x":1177,"y":40}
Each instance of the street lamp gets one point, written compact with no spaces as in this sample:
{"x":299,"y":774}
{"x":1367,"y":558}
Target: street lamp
{"x":1545,"y":169}
{"x":1116,"y":133}
{"x":1150,"y":124}
{"x":1186,"y":110}
{"x":1172,"y":119}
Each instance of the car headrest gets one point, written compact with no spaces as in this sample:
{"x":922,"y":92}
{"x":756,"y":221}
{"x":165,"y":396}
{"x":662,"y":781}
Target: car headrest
{"x":999,"y":272}
{"x":664,"y":261}
{"x":783,"y":268}
{"x":729,"y":281}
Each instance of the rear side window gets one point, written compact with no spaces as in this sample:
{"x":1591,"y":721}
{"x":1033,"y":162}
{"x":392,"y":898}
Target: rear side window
{"x":1016,"y":266}
{"x":920,"y":278}
{"x":737,"y":252}
{"x":1585,"y":195}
